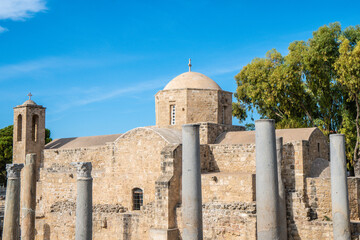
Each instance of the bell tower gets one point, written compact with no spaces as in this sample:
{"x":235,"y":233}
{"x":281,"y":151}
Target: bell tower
{"x":29,"y":131}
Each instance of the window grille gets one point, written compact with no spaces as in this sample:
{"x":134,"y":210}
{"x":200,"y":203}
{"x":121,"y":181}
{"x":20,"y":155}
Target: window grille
{"x":172,"y":114}
{"x":137,"y":198}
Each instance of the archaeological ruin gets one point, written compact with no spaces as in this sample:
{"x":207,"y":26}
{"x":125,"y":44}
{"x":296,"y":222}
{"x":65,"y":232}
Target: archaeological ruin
{"x":193,"y":175}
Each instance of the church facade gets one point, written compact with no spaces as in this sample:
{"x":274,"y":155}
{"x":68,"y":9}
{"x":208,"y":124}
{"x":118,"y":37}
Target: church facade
{"x":137,"y":174}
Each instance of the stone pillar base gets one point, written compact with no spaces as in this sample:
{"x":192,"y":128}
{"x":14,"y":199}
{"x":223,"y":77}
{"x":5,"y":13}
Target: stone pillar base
{"x":164,"y":234}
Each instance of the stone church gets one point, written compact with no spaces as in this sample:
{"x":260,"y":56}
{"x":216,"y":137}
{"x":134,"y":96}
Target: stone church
{"x":137,"y":174}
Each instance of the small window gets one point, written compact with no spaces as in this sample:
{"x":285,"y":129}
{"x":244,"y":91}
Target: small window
{"x":318,"y":147}
{"x":35,"y":128}
{"x":137,"y":198}
{"x":19,"y":127}
{"x":172,"y":114}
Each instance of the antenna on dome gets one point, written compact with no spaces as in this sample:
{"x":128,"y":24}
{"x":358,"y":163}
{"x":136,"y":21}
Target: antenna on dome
{"x":29,"y":95}
{"x":189,"y":65}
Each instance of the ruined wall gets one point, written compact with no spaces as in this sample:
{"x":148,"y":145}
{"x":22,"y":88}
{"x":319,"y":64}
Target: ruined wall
{"x":167,"y":192}
{"x":295,"y":153}
{"x":134,"y":160}
{"x":233,"y":158}
{"x":226,"y":221}
{"x":319,"y":197}
{"x":142,"y":159}
{"x":110,"y":222}
{"x":210,"y":131}
{"x":228,"y":187}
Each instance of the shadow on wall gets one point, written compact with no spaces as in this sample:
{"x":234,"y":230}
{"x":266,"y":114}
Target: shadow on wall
{"x":208,"y":163}
{"x":59,"y":143}
{"x":288,"y":174}
{"x":320,"y":168}
{"x":46,"y":231}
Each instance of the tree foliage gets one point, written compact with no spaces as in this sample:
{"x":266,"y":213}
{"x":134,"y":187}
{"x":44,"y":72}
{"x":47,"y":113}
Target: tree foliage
{"x":348,"y":68}
{"x":310,"y":86}
{"x":6,"y":149}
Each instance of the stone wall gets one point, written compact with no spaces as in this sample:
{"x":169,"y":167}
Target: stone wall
{"x":133,"y":161}
{"x":163,"y":100}
{"x":210,"y":131}
{"x":319,"y":197}
{"x":143,"y":159}
{"x":226,"y":221}
{"x":27,"y":143}
{"x":318,"y":148}
{"x":228,"y":187}
{"x":193,"y":106}
{"x":233,"y":158}
{"x":110,"y":222}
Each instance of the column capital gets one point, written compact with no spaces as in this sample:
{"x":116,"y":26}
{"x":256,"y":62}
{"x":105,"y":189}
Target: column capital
{"x":83,"y":169}
{"x":13,"y":170}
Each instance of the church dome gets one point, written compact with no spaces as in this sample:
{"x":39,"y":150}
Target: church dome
{"x":192,"y":80}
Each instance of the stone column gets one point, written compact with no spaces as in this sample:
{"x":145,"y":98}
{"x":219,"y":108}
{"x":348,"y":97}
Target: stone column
{"x":11,"y":230}
{"x":267,"y":189}
{"x":191,"y":183}
{"x":282,"y":194}
{"x":339,"y":188}
{"x":83,"y":229}
{"x":29,"y":198}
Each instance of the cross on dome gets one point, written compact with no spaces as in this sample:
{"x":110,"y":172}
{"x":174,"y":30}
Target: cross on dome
{"x":189,"y":65}
{"x":30,"y":95}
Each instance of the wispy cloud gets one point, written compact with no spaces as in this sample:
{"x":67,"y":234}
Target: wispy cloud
{"x":220,"y":70}
{"x":20,"y":9}
{"x":62,"y":63}
{"x":101,"y":95}
{"x":2,"y":29}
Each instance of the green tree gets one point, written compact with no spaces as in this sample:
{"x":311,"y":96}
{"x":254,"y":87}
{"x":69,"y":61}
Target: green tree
{"x":348,"y":68}
{"x":303,"y":88}
{"x":6,"y":149}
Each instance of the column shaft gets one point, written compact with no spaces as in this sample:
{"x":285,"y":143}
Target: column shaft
{"x":83,"y":228}
{"x":11,"y":230}
{"x":267,"y":190}
{"x":339,"y":188}
{"x":191,"y":183}
{"x":29,"y":198}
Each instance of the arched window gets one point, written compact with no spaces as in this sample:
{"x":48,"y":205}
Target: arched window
{"x":19,"y":127}
{"x":35,"y":128}
{"x":137,"y":195}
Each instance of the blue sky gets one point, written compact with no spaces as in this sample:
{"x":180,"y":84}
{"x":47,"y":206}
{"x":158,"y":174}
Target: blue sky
{"x":96,"y":65}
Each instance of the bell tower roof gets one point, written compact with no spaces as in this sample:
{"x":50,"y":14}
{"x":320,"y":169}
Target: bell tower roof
{"x":29,"y":101}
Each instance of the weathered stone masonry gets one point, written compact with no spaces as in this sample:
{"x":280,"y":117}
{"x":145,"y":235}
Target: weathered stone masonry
{"x":137,"y":175}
